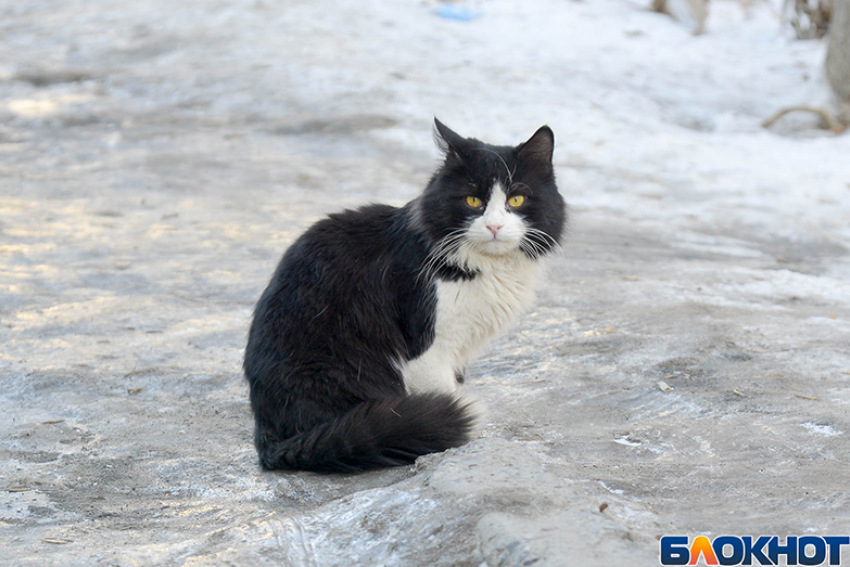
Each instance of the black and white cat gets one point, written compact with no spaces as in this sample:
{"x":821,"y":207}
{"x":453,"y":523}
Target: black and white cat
{"x":360,"y":340}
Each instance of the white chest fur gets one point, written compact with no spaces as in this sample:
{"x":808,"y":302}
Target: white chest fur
{"x":469,"y":313}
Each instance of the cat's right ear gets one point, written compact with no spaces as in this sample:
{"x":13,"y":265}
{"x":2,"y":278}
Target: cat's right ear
{"x":449,"y":142}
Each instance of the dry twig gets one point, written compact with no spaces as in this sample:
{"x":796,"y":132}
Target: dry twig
{"x":825,"y":116}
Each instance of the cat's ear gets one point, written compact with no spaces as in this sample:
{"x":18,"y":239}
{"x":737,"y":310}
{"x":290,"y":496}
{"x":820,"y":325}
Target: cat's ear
{"x":539,"y":147}
{"x":449,"y":142}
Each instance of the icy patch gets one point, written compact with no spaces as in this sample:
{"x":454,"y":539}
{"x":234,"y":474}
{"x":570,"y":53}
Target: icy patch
{"x":826,"y":430}
{"x":717,"y":245}
{"x":616,"y":491}
{"x":628,"y":441}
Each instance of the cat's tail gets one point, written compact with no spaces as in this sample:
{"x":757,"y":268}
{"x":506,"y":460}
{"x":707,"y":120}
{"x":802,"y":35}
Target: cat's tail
{"x":376,"y":433}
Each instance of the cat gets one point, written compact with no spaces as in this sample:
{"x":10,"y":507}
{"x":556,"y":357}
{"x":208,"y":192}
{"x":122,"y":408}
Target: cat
{"x":360,"y":340}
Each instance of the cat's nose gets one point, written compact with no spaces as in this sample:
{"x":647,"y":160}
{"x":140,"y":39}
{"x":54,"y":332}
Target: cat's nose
{"x":494,"y":228}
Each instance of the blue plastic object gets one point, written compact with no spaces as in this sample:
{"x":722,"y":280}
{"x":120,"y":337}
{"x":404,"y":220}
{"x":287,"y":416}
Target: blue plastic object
{"x":454,"y":12}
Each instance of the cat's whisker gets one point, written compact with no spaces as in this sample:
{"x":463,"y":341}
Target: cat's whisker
{"x":546,"y":239}
{"x":533,"y":249}
{"x":536,"y":250}
{"x":538,"y":243}
{"x":538,"y":253}
{"x":543,"y":234}
{"x":501,"y":159}
{"x":452,"y":248}
{"x":447,"y":246}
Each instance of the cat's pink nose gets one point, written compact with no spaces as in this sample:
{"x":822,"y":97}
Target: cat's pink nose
{"x":494,"y":228}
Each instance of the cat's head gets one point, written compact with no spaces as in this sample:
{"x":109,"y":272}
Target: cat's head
{"x":493,"y":201}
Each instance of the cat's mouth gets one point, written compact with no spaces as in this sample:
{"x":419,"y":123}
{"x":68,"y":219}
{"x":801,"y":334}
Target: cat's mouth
{"x":496,"y":247}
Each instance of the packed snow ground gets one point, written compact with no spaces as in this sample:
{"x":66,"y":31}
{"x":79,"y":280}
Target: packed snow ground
{"x":156,"y":158}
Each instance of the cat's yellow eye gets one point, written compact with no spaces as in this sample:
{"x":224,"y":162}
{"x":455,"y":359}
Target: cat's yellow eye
{"x":473,"y":202}
{"x":516,"y":200}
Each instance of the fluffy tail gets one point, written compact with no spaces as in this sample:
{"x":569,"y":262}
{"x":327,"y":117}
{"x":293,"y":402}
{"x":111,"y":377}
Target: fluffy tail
{"x":376,"y":433}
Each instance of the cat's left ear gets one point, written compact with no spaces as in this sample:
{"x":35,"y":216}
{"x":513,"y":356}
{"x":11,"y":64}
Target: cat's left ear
{"x":539,"y":147}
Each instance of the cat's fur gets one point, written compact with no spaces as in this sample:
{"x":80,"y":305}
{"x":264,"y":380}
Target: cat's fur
{"x":361,"y":338}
